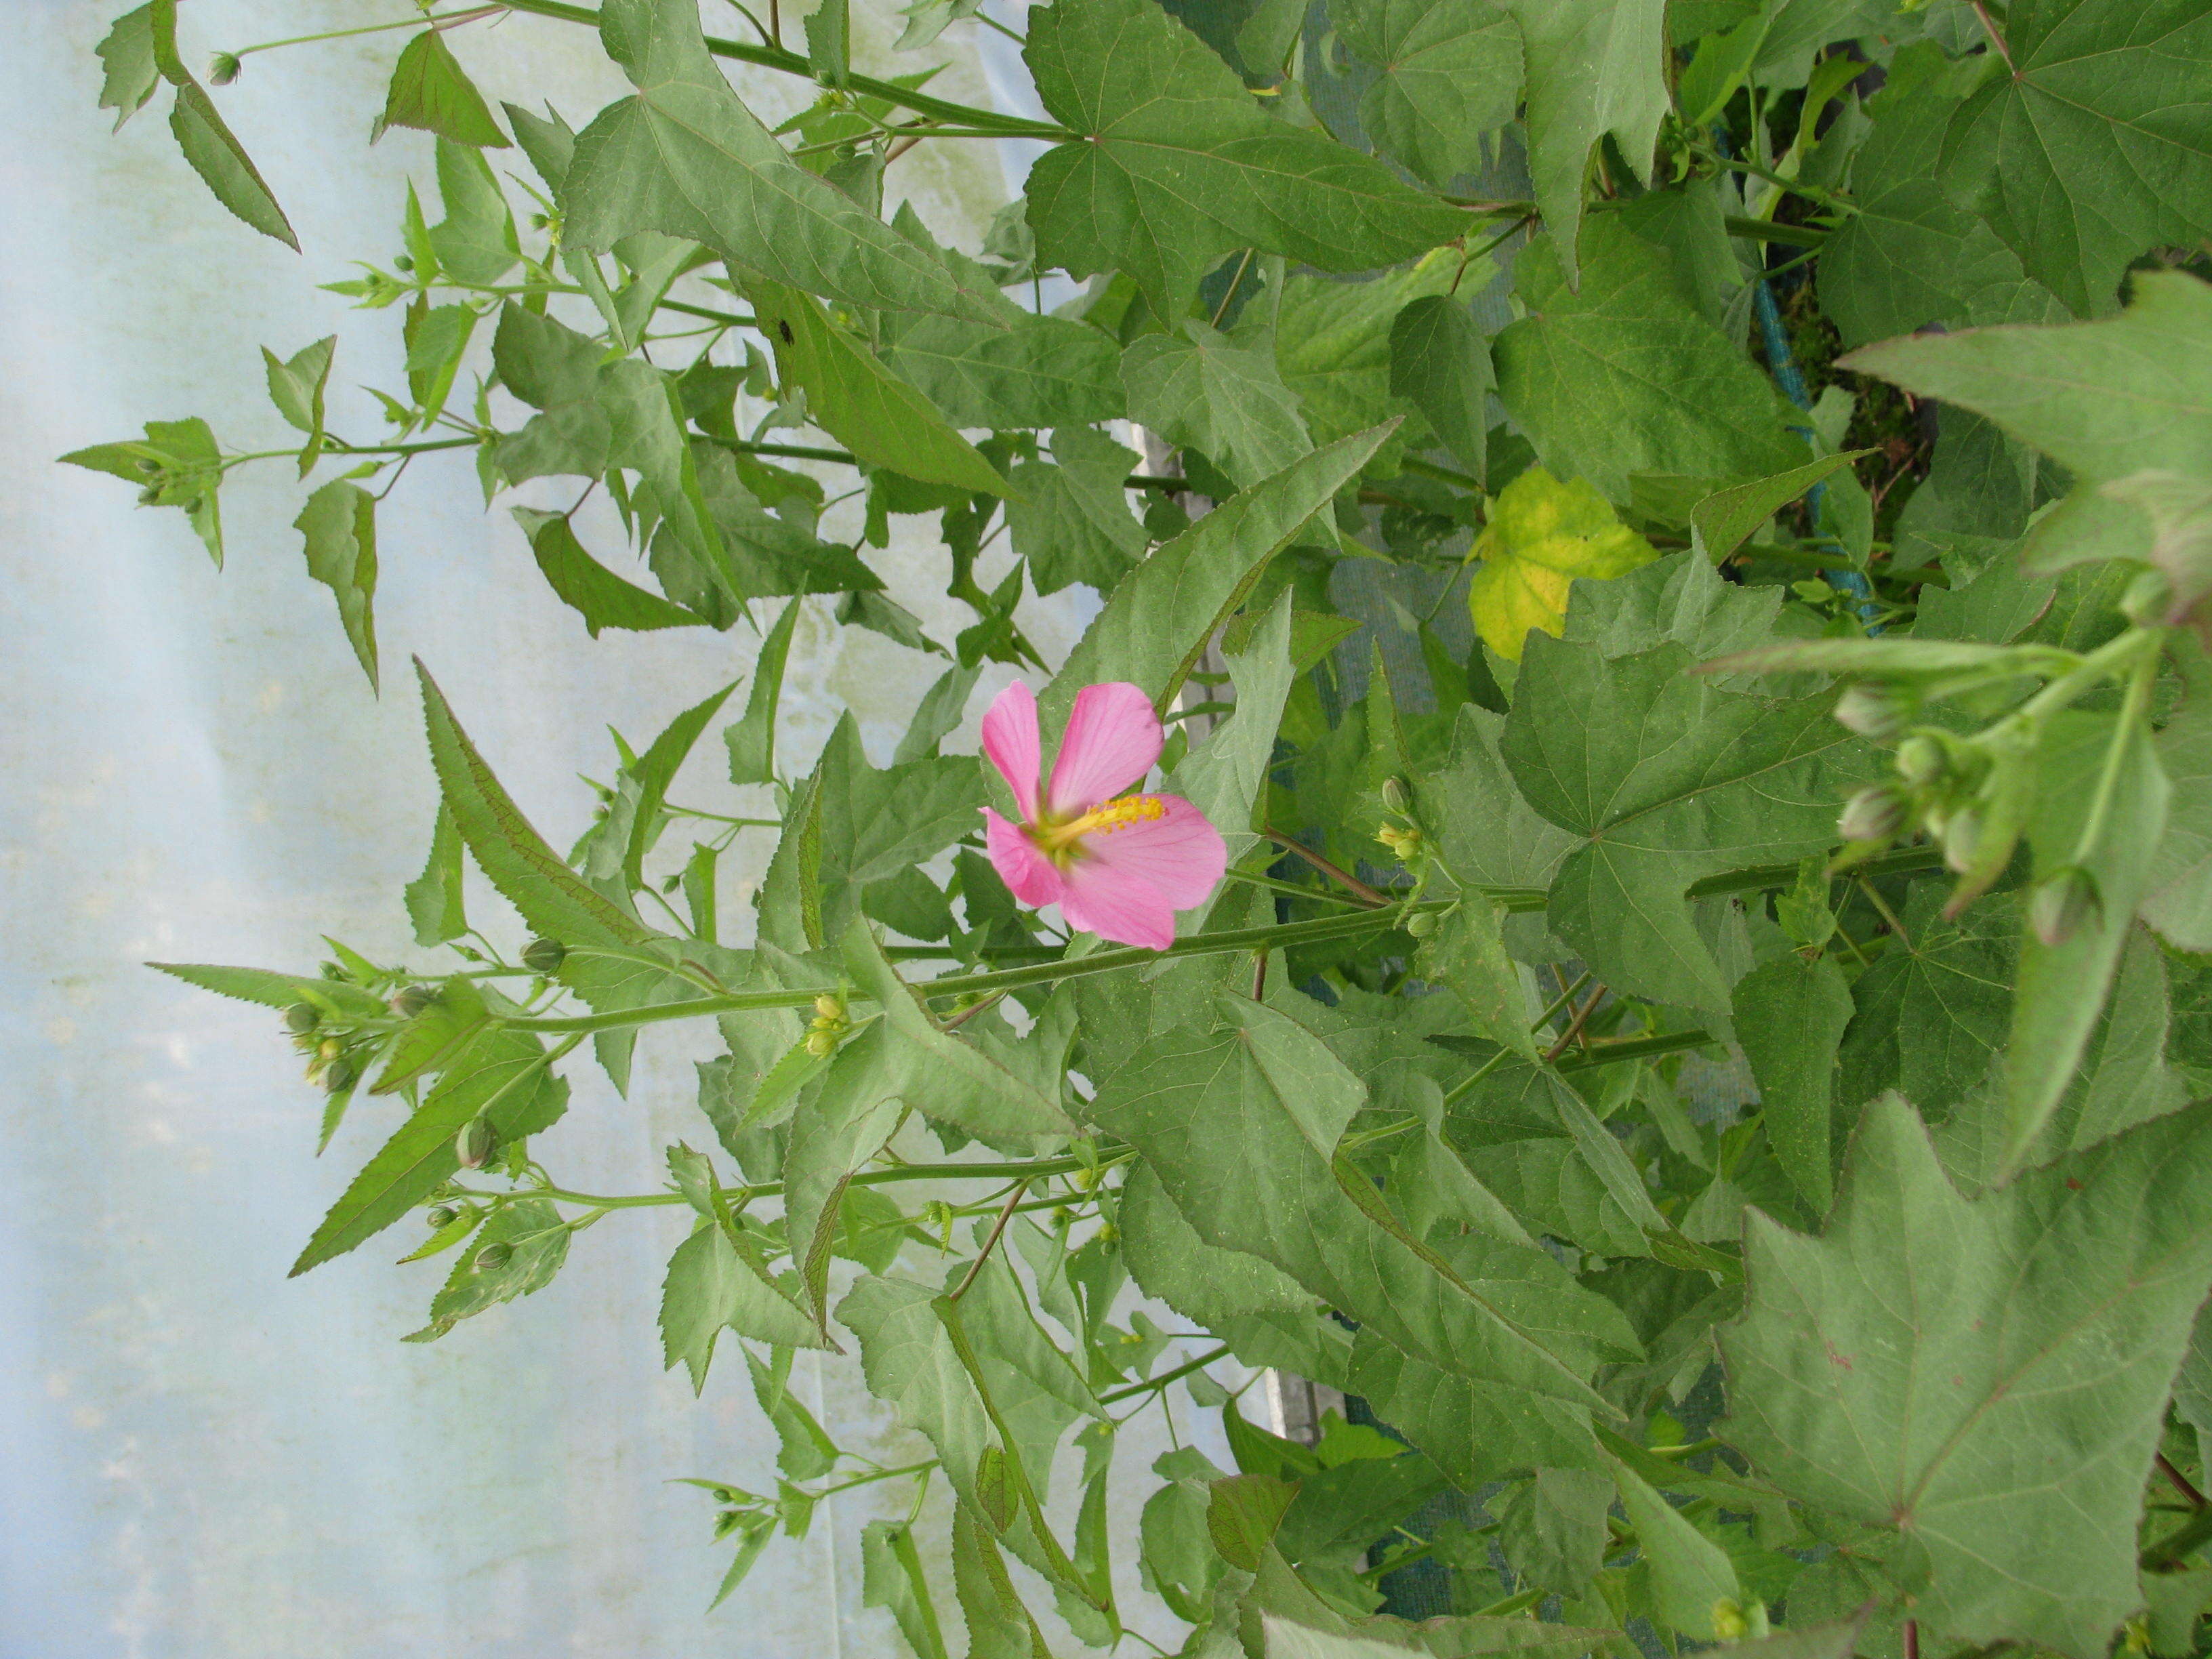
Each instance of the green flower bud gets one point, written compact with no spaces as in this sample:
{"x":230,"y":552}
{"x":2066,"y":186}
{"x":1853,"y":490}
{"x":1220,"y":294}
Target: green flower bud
{"x":442,"y":1215}
{"x":338,"y":1077}
{"x":2062,"y":904}
{"x":412,"y":1000}
{"x":2148,"y":601}
{"x":1962,"y":838}
{"x":545,"y":955}
{"x":1728,"y":1622}
{"x":476,"y":1143}
{"x":1421,"y":924}
{"x":223,"y":68}
{"x":330,"y":1048}
{"x":821,"y":1044}
{"x":1874,"y":709}
{"x":1872,"y":814}
{"x":404,"y":263}
{"x":493,"y":1257}
{"x":1396,"y":795}
{"x":302,"y":1017}
{"x":1921,"y":761}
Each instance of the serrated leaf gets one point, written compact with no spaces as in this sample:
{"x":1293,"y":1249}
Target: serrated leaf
{"x":1554,"y":1529}
{"x":339,"y":525}
{"x":1595,"y":69}
{"x":1029,"y":370}
{"x":431,"y":91}
{"x":1069,"y":517}
{"x":1947,"y":1368}
{"x":1542,"y":535}
{"x":1694,"y":1577}
{"x":751,"y":740}
{"x":297,"y":386}
{"x":215,"y":152}
{"x":1440,"y":363}
{"x":891,"y":1576}
{"x":1173,"y":166}
{"x":1227,"y":401}
{"x":1789,"y":1017}
{"x":275,"y":990}
{"x":1155,"y":625}
{"x":502,"y":1075}
{"x":130,"y":75}
{"x":433,"y":898}
{"x":684,"y":155}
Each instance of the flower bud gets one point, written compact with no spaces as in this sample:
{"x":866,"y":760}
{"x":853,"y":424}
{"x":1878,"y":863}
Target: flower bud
{"x":338,"y":1077}
{"x":301,"y":1018}
{"x":493,"y":1257}
{"x":1396,"y":795}
{"x":2148,"y":601}
{"x":442,"y":1215}
{"x":1874,"y":709}
{"x":829,"y":1008}
{"x":2062,"y":904}
{"x":1421,"y":923}
{"x":545,"y":955}
{"x":1962,"y":838}
{"x":476,"y":1143}
{"x":1405,"y":843}
{"x":821,"y":1043}
{"x":1921,"y":761}
{"x":412,"y":1000}
{"x":223,"y":68}
{"x":1872,"y":814}
{"x":1729,"y":1623}
{"x":330,"y":1048}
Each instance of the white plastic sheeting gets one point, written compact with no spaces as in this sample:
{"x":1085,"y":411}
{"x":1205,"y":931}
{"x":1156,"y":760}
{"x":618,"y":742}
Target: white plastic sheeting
{"x":199,"y":1458}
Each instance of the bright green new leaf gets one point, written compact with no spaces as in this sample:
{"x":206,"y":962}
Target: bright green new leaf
{"x":339,"y":523}
{"x":1664,"y":780}
{"x":2095,"y":145}
{"x":684,"y":155}
{"x":1450,"y":77}
{"x":430,"y":91}
{"x":1624,"y":375}
{"x":1542,"y":534}
{"x":1986,"y":1378}
{"x":1225,"y":400}
{"x":1172,"y":166}
{"x":1333,"y":340}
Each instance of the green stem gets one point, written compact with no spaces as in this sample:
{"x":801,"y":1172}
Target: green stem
{"x":1152,"y":1385}
{"x":1032,"y":1170}
{"x":790,"y":63}
{"x":2181,"y":1543}
{"x":2133,"y":709}
{"x":468,"y":15}
{"x":1006,"y":979}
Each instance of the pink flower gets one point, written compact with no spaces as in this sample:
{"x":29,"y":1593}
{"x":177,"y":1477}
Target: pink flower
{"x":1118,"y":866}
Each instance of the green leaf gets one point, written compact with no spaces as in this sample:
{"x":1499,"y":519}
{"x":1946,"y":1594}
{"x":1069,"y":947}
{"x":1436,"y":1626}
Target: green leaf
{"x":1332,"y":341}
{"x":1728,"y":518}
{"x":804,"y":1450}
{"x":1933,"y":1009}
{"x":1625,"y":375}
{"x":854,"y":397}
{"x":178,"y":464}
{"x":1155,"y":625}
{"x":557,"y":370}
{"x":527,"y":872}
{"x":1665,"y":780}
{"x":223,"y":165}
{"x":1913,"y":254}
{"x":1696,"y":1581}
{"x":2062,"y":987}
{"x":1069,"y":517}
{"x":1440,"y":363}
{"x":476,"y":241}
{"x":1789,"y":1019}
{"x":502,"y":1075}
{"x":710,"y":1288}
{"x":532,"y":1230}
{"x":433,"y":898}
{"x":752,"y":739}
{"x":2094,"y":146}
{"x":276,"y":990}
{"x":1471,"y":812}
{"x":1951,"y":1369}
{"x":431,"y":91}
{"x":830,"y":55}
{"x":1227,"y":775}
{"x":1199,"y":1280}
{"x":684,"y":156}
{"x":1595,"y":69}
{"x":1029,"y":371}
{"x":296,"y":386}
{"x":588,"y":587}
{"x":891,"y":1576}
{"x":2105,"y":399}
{"x":1476,"y":1432}
{"x":1173,"y":166}
{"x":2178,"y":891}
{"x":130,"y":75}
{"x":1240,"y":1124}
{"x":1466,"y":954}
{"x":1541,"y":535}
{"x":1227,"y":401}
{"x":1241,"y":1514}
{"x":1450,"y":77}
{"x":1553,"y":1528}
{"x":339,"y":523}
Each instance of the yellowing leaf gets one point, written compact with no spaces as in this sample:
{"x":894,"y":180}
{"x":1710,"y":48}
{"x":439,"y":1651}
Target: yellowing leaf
{"x":1542,"y":535}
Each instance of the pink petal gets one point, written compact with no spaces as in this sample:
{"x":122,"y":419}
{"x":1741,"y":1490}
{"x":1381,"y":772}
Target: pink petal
{"x":1125,"y":912}
{"x":1029,"y":875}
{"x":1131,"y":880}
{"x":1010,"y":738}
{"x":1113,"y":738}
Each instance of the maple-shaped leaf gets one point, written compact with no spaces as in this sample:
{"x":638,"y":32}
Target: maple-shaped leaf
{"x":1542,"y":535}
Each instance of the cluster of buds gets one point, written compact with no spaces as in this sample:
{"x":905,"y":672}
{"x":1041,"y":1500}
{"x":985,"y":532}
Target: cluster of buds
{"x":330,"y":1047}
{"x":1972,"y":795}
{"x":829,"y":1024}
